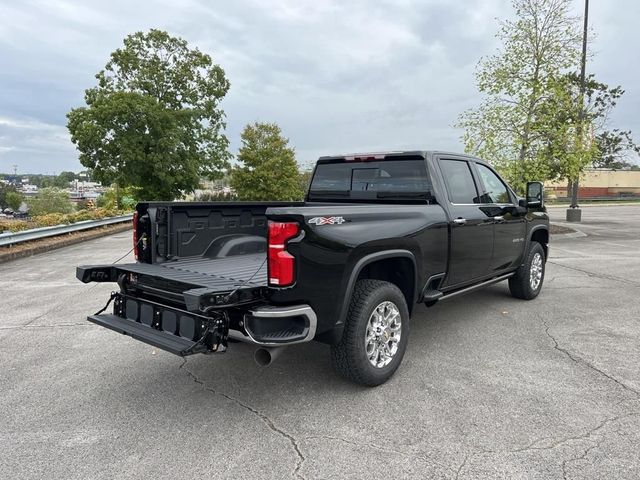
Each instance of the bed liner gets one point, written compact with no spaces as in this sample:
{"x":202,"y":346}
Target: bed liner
{"x":220,"y":274}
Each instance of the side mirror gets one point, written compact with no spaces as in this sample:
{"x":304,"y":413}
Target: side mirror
{"x":535,"y":195}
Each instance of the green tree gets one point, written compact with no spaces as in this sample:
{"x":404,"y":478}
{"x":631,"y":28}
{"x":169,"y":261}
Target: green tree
{"x":154,"y":121}
{"x":13,"y":200}
{"x":267,"y":167}
{"x":304,"y":179}
{"x":4,"y":191}
{"x":64,"y":179}
{"x":573,"y":126}
{"x":115,"y":198}
{"x":616,"y":148}
{"x":50,"y":200}
{"x":541,"y":43}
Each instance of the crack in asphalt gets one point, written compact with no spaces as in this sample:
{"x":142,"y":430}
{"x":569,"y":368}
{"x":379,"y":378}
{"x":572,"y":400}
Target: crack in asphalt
{"x":50,"y":310}
{"x":586,"y":435}
{"x":578,"y":458}
{"x":584,"y":362}
{"x":582,"y":436}
{"x":531,"y":447}
{"x":603,"y":276}
{"x":381,"y":449}
{"x":576,"y":438}
{"x":264,"y":418}
{"x":462,"y":465}
{"x":598,"y":442}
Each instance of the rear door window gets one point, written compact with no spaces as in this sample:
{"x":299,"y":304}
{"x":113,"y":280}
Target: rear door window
{"x":459,"y":181}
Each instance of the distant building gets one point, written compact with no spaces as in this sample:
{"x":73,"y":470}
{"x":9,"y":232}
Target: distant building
{"x":601,"y":183}
{"x":28,"y":189}
{"x":81,"y":190}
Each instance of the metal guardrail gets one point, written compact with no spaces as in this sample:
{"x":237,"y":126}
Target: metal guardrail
{"x":45,"y":232}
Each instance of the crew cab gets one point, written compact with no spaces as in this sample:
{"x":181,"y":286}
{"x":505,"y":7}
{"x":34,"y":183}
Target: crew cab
{"x":377,"y":234}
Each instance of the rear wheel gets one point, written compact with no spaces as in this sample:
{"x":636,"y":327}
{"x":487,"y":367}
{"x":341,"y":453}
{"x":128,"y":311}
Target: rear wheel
{"x":527,"y":282}
{"x":375,"y":334}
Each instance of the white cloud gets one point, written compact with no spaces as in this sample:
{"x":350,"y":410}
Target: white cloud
{"x":337,"y":76}
{"x":26,"y":124}
{"x":46,"y":146}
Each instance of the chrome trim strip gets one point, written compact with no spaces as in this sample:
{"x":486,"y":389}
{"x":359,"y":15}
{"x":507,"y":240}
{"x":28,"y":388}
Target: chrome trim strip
{"x":279,"y":312}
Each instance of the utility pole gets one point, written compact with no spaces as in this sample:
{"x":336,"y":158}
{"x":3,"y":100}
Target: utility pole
{"x":574,"y":213}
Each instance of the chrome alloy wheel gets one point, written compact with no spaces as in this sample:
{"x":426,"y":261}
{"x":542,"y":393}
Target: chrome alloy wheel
{"x":535,"y":274}
{"x":383,"y":334}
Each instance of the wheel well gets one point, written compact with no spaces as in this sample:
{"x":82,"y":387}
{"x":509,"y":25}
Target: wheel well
{"x":397,"y":270}
{"x":542,"y":237}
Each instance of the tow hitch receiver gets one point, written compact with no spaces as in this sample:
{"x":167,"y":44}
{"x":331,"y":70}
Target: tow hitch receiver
{"x":174,"y":330}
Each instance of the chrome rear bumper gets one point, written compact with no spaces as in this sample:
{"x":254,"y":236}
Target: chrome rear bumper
{"x":277,"y":326}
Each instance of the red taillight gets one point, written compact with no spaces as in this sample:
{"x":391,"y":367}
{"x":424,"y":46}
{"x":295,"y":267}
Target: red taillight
{"x":135,"y":234}
{"x":281,"y":264}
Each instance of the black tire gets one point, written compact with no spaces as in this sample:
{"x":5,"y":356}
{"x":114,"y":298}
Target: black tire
{"x":520,"y":284}
{"x":349,"y":357}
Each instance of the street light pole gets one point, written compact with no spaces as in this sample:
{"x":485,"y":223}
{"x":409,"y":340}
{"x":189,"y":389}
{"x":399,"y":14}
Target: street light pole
{"x":574,"y":214}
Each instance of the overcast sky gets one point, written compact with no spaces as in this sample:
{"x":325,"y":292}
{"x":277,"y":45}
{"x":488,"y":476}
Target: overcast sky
{"x":337,"y":76}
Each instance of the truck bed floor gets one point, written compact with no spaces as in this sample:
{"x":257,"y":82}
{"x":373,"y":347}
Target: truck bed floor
{"x":221,"y":274}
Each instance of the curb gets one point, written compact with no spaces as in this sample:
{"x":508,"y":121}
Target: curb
{"x":34,"y":247}
{"x":576,"y":234}
{"x":589,"y":205}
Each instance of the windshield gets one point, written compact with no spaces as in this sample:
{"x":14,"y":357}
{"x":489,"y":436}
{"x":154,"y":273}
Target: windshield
{"x":371,"y":179}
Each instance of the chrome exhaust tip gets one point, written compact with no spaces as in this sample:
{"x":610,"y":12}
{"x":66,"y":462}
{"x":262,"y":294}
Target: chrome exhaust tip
{"x":265,"y":356}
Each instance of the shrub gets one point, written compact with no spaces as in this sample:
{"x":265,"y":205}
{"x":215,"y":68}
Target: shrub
{"x":14,"y":200}
{"x":128,"y":198}
{"x":49,"y":201}
{"x":53,"y":219}
{"x":215,"y":197}
{"x":85,"y":205}
{"x":14,"y":225}
{"x":50,"y":219}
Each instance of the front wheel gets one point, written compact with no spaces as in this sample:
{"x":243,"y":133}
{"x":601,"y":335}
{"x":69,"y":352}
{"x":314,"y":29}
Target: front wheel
{"x":375,"y":334}
{"x":527,"y":281}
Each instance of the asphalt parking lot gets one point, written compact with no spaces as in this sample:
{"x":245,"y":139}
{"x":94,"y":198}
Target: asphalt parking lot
{"x":490,"y":387}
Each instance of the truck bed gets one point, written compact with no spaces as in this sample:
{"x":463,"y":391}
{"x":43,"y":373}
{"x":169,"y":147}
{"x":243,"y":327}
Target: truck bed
{"x":219,"y":274}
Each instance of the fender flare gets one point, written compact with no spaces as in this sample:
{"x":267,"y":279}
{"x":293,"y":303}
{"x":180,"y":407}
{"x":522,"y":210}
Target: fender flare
{"x":363,"y":262}
{"x":530,"y":236}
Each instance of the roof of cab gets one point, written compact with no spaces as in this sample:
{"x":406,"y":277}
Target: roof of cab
{"x":399,"y":153}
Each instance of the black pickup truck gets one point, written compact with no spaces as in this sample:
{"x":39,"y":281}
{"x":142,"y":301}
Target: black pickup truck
{"x":377,"y":234}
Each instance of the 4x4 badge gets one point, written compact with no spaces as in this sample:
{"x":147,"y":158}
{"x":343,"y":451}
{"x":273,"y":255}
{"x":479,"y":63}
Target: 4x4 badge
{"x":326,"y":220}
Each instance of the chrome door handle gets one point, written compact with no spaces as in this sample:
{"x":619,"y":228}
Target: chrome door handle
{"x":498,"y":219}
{"x":460,"y":221}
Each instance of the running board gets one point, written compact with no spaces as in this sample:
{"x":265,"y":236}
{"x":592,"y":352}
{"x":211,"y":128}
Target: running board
{"x":476,"y":286}
{"x":432,"y":296}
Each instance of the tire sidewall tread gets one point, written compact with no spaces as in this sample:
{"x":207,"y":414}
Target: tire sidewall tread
{"x":519,"y":285}
{"x":349,"y":357}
